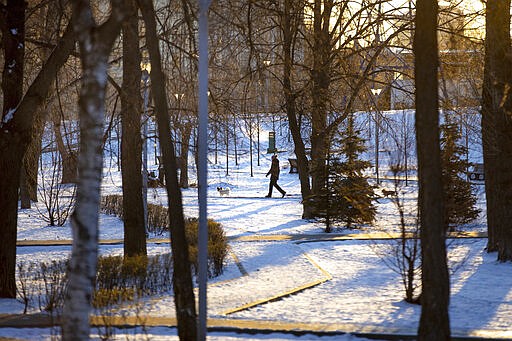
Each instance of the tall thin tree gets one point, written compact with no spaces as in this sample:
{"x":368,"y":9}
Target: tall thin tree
{"x":497,"y":128}
{"x":434,"y":321}
{"x":321,"y":82}
{"x":290,"y":21}
{"x":95,"y":44}
{"x":131,"y":142}
{"x":182,"y":280}
{"x":13,"y":43}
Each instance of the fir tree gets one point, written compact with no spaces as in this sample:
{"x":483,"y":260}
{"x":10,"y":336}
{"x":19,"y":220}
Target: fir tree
{"x":459,"y":199}
{"x":347,"y":196}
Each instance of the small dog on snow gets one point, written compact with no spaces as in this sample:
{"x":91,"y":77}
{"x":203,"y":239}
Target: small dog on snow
{"x":389,"y":193}
{"x":223,"y":191}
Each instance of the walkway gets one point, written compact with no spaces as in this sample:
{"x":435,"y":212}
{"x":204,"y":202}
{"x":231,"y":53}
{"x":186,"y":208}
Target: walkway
{"x":222,"y":300}
{"x":246,"y":326}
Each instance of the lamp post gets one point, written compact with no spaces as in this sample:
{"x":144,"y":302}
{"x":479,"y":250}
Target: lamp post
{"x":178,"y":97}
{"x":258,"y":126}
{"x":249,"y":116}
{"x":406,"y":138}
{"x":267,"y":63}
{"x":146,"y":69}
{"x":202,"y":167}
{"x":258,"y":134}
{"x":155,"y":151}
{"x":271,"y":135}
{"x":376,"y":93}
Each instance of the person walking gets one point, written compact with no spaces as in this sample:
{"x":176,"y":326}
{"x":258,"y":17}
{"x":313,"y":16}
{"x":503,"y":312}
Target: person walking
{"x":274,"y":176}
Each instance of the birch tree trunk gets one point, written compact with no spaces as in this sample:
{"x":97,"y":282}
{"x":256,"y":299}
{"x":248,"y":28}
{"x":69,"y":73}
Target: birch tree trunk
{"x":95,"y":46}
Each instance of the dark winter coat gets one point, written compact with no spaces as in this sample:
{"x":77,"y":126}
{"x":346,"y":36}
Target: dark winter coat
{"x":274,"y":169}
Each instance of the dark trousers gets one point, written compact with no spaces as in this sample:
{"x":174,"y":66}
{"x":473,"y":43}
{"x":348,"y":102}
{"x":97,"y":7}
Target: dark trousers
{"x":273,"y":183}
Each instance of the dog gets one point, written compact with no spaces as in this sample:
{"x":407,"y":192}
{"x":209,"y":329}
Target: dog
{"x":388,"y":193}
{"x":223,"y":191}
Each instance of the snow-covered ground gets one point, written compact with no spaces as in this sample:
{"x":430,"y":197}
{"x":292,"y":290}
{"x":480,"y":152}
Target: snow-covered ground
{"x":348,"y":284}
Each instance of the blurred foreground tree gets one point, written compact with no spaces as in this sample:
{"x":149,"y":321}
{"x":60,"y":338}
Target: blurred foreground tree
{"x":435,"y":296}
{"x":497,"y":127}
{"x":95,"y":42}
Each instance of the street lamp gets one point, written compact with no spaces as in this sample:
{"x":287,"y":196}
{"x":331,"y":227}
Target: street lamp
{"x":405,"y":134}
{"x":271,"y":135}
{"x":178,"y":97}
{"x":375,"y":93}
{"x":146,"y":69}
{"x":202,"y":139}
{"x":258,"y":124}
{"x":267,"y":63}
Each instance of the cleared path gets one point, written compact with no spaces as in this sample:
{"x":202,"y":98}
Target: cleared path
{"x":225,"y":298}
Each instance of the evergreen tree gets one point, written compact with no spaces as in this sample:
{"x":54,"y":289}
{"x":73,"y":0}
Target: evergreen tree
{"x":347,"y":196}
{"x":459,"y":199}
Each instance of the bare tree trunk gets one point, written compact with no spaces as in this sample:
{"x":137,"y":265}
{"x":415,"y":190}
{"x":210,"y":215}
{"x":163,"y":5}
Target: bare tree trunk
{"x":497,"y":129}
{"x":15,"y":134}
{"x":182,"y":279}
{"x":33,"y":153}
{"x":95,"y":46}
{"x":131,"y":145}
{"x":68,"y":156}
{"x":501,"y":74}
{"x":435,"y":297}
{"x":12,"y":142}
{"x":50,"y":17}
{"x":24,"y":192}
{"x":288,"y":26}
{"x":186,"y":132}
{"x":320,"y":93}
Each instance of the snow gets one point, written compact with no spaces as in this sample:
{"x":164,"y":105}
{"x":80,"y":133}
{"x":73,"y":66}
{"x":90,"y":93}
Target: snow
{"x":9,"y":115}
{"x":346,"y":285}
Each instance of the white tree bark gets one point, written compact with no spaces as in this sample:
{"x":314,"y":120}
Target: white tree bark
{"x":95,"y":45}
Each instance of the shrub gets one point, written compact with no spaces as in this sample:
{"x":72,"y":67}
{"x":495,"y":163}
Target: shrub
{"x":42,"y":283}
{"x":112,"y":204}
{"x":158,"y":219}
{"x":56,"y":194}
{"x":158,"y":223}
{"x":119,"y":279}
{"x":158,"y":216}
{"x":217,"y":245}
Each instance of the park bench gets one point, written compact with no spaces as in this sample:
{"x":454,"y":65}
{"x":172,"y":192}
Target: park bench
{"x":293,"y":166}
{"x":154,"y":181}
{"x":476,"y":172}
{"x":159,"y":181}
